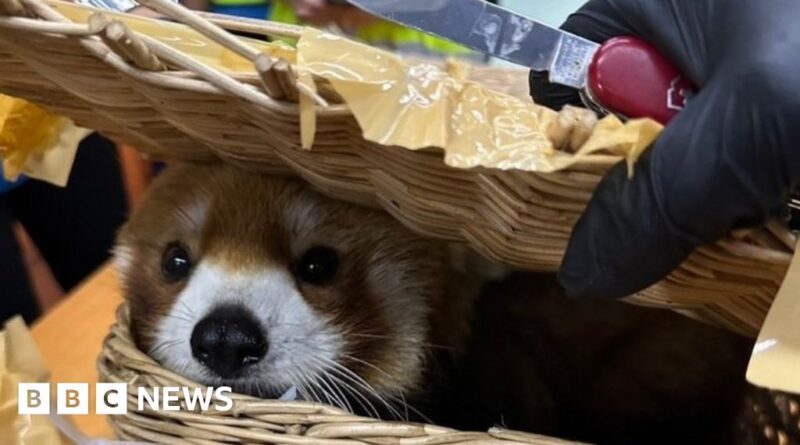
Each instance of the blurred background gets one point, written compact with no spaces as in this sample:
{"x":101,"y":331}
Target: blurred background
{"x":552,"y":12}
{"x":52,"y":238}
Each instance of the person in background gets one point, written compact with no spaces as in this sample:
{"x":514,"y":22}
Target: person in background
{"x":352,"y":21}
{"x":254,"y":9}
{"x":72,"y":227}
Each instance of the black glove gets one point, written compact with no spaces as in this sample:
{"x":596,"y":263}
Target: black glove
{"x":726,"y":161}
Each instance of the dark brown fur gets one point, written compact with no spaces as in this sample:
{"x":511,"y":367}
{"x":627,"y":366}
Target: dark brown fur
{"x":600,"y":371}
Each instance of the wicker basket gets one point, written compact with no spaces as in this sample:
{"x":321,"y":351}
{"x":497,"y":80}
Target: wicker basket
{"x":170,"y":106}
{"x":766,"y":417}
{"x":257,"y":421}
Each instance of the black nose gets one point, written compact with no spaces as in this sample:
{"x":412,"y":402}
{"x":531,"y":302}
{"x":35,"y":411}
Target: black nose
{"x":228,"y":340}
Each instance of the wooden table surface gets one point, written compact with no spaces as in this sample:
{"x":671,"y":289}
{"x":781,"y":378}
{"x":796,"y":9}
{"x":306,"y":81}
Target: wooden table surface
{"x":70,"y":336}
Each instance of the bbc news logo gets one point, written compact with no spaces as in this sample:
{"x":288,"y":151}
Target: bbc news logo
{"x":112,"y":398}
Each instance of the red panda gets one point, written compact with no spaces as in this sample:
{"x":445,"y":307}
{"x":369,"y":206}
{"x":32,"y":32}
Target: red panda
{"x":263,"y":284}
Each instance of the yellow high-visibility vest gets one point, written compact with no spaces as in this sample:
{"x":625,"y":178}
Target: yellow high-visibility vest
{"x":385,"y":34}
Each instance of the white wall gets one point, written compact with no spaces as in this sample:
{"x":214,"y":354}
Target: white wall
{"x":552,"y":12}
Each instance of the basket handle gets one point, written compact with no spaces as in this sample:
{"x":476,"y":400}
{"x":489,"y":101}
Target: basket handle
{"x":289,"y":83}
{"x":124,"y":42}
{"x":214,"y":32}
{"x":12,"y":8}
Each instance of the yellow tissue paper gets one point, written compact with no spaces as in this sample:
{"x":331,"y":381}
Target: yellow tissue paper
{"x":628,"y":140}
{"x":418,"y":104}
{"x":35,"y":142}
{"x":775,"y":363}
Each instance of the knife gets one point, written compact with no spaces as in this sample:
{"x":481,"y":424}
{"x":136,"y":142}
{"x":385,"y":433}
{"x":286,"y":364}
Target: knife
{"x":625,"y":75}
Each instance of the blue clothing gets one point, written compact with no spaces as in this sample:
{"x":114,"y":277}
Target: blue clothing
{"x":6,"y":186}
{"x":260,"y":12}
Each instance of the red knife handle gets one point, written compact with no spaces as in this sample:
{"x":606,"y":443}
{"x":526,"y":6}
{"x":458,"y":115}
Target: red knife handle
{"x":630,"y":78}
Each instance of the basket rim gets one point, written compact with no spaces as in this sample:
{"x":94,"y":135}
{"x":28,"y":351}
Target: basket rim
{"x":263,"y":420}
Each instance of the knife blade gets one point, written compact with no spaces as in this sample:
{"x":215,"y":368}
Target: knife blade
{"x":625,"y":75}
{"x":492,"y":30}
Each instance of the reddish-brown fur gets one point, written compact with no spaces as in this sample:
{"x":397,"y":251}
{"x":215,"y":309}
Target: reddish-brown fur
{"x":252,"y":221}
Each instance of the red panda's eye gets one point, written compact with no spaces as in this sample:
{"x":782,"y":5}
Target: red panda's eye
{"x":318,"y":266}
{"x":176,"y":263}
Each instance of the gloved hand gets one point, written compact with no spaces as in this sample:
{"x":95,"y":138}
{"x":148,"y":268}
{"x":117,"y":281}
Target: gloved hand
{"x":728,"y":160}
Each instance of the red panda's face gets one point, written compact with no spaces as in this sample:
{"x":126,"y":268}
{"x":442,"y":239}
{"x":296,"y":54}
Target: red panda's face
{"x":261,"y":284}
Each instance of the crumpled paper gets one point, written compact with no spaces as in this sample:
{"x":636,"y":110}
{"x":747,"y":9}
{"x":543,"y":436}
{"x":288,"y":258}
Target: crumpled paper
{"x":775,"y":363}
{"x":36,"y":143}
{"x":417,"y":104}
{"x":626,"y":139}
{"x":20,"y":362}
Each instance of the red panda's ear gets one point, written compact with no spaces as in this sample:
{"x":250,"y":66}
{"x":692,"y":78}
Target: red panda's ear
{"x":123,"y":258}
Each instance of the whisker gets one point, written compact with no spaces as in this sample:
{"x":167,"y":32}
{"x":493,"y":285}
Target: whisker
{"x":329,"y":380}
{"x":409,"y":407}
{"x":313,"y":379}
{"x":323,"y":369}
{"x":369,"y":365}
{"x":328,"y":398}
{"x":185,"y":306}
{"x":311,"y":390}
{"x":308,"y":393}
{"x":402,"y":397}
{"x":180,"y":317}
{"x":166,"y":344}
{"x":301,"y":389}
{"x":401,"y":340}
{"x":336,"y":367}
{"x":363,"y":400}
{"x":358,"y":380}
{"x":341,"y":401}
{"x":360,"y":398}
